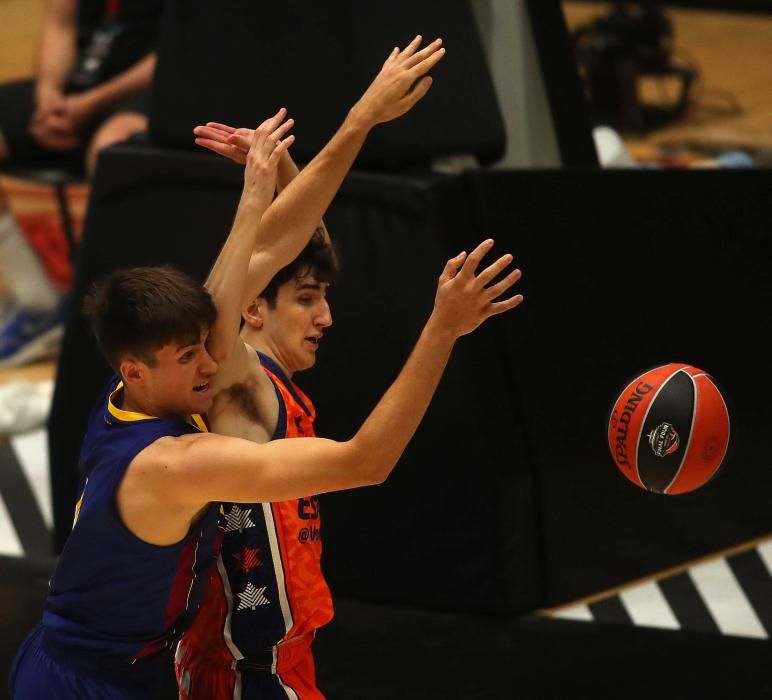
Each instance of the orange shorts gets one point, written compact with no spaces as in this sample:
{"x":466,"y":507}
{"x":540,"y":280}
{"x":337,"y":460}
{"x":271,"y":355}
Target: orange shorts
{"x":294,"y":678}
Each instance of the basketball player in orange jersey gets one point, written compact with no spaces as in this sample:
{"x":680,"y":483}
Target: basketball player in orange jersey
{"x":236,"y":648}
{"x":251,"y":638}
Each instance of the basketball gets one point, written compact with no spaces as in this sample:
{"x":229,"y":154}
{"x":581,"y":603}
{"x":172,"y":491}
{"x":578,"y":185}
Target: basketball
{"x":669,"y":429}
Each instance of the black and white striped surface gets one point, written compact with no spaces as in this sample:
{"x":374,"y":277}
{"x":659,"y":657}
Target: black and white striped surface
{"x":26,"y":519}
{"x":724,"y":595}
{"x":729,"y":595}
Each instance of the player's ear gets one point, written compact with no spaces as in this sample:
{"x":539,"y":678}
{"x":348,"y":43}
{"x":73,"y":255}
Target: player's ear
{"x":253,"y":314}
{"x":131,"y":370}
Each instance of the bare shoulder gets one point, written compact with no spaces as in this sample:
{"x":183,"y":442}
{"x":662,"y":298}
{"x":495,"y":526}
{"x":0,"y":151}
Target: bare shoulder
{"x":162,"y":456}
{"x":155,"y":499}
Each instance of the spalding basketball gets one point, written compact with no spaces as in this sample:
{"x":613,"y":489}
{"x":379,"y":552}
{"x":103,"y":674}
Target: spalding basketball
{"x":669,"y":429}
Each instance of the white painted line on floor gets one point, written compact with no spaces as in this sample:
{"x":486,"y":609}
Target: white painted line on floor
{"x":9,"y":540}
{"x":32,"y":452}
{"x":576,"y":612}
{"x":725,"y":599}
{"x":647,"y":607}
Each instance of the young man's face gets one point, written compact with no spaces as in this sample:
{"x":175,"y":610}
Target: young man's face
{"x":293,"y":329}
{"x":180,"y":381}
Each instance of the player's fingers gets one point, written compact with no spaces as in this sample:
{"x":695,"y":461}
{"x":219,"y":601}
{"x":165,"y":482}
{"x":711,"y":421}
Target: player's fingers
{"x":221,"y":127}
{"x":207,"y":132}
{"x":410,"y":49}
{"x":425,"y":52}
{"x":279,"y":133}
{"x":394,"y":53}
{"x":268,"y":127}
{"x":492,"y":270}
{"x":419,"y":91}
{"x":471,"y":263}
{"x":496,"y":290}
{"x":280,"y":150}
{"x":500,"y":307}
{"x":240,"y":141}
{"x":427,"y":64}
{"x":224,"y":150}
{"x":452,"y":267}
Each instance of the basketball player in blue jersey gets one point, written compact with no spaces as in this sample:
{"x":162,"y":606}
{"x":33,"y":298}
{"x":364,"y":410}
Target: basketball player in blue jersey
{"x":145,"y":532}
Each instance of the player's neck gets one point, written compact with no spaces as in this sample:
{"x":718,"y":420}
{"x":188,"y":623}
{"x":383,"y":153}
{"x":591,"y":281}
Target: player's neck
{"x":135,"y":402}
{"x":258,"y":342}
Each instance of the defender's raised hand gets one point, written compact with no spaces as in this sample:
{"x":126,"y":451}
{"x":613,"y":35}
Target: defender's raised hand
{"x":464,"y":300}
{"x":402,"y":82}
{"x":262,"y":159}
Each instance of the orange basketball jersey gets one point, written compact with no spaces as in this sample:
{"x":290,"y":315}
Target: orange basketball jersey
{"x":267,"y":595}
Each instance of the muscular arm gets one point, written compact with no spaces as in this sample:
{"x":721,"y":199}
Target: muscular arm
{"x":287,"y":172}
{"x":227,"y":278}
{"x":210,"y":467}
{"x":192,"y":470}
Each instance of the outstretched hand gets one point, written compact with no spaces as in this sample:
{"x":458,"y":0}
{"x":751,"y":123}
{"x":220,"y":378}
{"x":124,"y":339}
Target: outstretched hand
{"x":225,"y":140}
{"x":400,"y":84}
{"x":464,"y":299}
{"x":269,"y":143}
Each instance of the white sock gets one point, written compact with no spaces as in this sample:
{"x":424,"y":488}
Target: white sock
{"x":25,"y":277}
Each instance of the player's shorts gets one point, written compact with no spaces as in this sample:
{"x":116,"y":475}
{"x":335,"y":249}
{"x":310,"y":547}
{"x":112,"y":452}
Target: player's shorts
{"x":17,"y":105}
{"x":295,"y":678}
{"x":36,"y":675}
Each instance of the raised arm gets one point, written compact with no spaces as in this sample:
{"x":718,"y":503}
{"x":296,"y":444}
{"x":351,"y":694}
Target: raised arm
{"x":292,"y":218}
{"x":211,"y":467}
{"x":227,"y":278}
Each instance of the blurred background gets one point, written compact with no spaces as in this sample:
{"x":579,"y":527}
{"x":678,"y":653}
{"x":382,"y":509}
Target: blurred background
{"x":621,"y":151}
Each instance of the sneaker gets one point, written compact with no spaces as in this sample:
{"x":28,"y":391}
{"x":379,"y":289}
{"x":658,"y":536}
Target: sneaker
{"x":27,"y":336}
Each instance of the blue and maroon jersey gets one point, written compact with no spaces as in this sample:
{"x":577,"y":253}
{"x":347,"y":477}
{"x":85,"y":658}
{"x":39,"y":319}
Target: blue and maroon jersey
{"x":115,"y":599}
{"x":268,"y":594}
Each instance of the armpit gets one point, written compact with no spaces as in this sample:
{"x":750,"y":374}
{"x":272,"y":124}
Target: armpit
{"x":242,"y":397}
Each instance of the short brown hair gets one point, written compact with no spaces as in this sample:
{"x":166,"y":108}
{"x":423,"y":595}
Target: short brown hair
{"x":139,"y":310}
{"x":317,"y":258}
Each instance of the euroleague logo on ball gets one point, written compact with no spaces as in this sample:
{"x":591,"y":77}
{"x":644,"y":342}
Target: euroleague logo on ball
{"x":664,"y":439}
{"x":668,"y":430}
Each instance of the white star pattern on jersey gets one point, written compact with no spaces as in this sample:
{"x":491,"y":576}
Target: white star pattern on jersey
{"x":252,"y":597}
{"x":238,"y":519}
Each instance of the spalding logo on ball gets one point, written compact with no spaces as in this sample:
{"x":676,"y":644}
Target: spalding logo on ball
{"x":669,"y":429}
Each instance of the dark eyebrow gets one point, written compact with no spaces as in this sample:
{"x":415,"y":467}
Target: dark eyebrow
{"x":316,"y":286}
{"x":187,"y":345}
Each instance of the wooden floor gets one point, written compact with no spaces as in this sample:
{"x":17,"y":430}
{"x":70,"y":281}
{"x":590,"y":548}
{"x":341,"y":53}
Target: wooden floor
{"x":733,"y":54}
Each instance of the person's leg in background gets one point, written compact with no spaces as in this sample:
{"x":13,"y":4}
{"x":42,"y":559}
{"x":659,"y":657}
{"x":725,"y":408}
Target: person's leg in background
{"x":31,"y":325}
{"x":115,"y":129}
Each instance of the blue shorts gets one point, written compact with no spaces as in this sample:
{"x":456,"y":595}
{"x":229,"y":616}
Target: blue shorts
{"x":35,"y":675}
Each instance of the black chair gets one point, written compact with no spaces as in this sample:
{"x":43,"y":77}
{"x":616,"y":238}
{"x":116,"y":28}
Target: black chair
{"x":59,"y":177}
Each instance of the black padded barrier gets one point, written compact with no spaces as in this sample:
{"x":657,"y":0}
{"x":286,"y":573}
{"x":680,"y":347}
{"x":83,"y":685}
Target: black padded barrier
{"x":453,"y":528}
{"x":626,"y":270}
{"x":507,"y":499}
{"x":232,"y":61}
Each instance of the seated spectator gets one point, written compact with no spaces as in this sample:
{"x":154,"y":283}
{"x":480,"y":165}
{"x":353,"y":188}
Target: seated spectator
{"x":94,"y":69}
